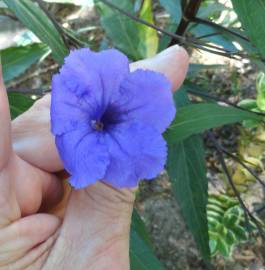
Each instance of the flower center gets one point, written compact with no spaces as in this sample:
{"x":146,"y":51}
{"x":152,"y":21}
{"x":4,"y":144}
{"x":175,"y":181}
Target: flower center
{"x":110,"y":117}
{"x":97,"y":125}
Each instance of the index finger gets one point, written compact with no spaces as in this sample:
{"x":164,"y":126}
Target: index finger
{"x":5,"y":124}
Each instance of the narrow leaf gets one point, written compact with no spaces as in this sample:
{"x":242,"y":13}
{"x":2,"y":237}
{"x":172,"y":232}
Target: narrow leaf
{"x":134,"y":39}
{"x":186,"y":168}
{"x":251,"y":15}
{"x":18,"y":103}
{"x":17,"y":60}
{"x":196,"y":118}
{"x":148,"y":36}
{"x":141,"y":255}
{"x":31,"y":15}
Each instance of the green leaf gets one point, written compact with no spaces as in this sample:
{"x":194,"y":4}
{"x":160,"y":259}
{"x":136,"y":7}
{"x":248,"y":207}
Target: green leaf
{"x":31,"y":15}
{"x":73,"y":2}
{"x":248,"y":104}
{"x":17,"y":60}
{"x":18,"y":103}
{"x":141,"y":255}
{"x":196,"y":118}
{"x":173,"y":8}
{"x":208,"y":10}
{"x":134,"y":39}
{"x":220,"y":39}
{"x":148,"y":36}
{"x":223,"y":247}
{"x":139,"y":227}
{"x":261,"y":91}
{"x":251,"y":15}
{"x":186,"y":168}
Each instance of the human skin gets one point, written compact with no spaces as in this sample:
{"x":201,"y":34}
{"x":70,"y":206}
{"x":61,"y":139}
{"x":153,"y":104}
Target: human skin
{"x":43,"y":223}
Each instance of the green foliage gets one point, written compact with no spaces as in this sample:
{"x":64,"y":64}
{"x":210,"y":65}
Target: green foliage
{"x":251,"y":15}
{"x":18,"y":103}
{"x":226,"y":224}
{"x":149,"y":36}
{"x":196,"y":118}
{"x":173,"y":7}
{"x":186,"y":168}
{"x":136,"y":40}
{"x":37,"y":21}
{"x":74,"y":2}
{"x":141,"y":254}
{"x":261,"y":91}
{"x":255,"y":105}
{"x":17,"y":60}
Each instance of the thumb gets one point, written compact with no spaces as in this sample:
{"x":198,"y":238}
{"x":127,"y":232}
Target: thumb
{"x":172,"y":62}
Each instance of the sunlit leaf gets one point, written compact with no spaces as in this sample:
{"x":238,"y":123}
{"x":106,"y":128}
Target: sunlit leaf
{"x":261,"y":91}
{"x":31,"y":15}
{"x":17,"y":60}
{"x":251,"y":15}
{"x":135,"y":39}
{"x":148,"y":36}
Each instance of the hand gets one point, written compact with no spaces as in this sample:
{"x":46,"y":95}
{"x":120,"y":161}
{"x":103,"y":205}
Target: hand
{"x":89,"y":229}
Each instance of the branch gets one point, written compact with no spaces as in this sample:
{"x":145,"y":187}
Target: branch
{"x":237,"y":159}
{"x":219,"y":27}
{"x":248,"y":215}
{"x":188,"y":13}
{"x":195,"y":43}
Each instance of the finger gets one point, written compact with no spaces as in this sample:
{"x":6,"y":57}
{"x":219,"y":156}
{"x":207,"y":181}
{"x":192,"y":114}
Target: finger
{"x":35,"y":258}
{"x":39,"y":190}
{"x":5,"y":142}
{"x":17,"y":239}
{"x":31,"y":134}
{"x":172,"y":62}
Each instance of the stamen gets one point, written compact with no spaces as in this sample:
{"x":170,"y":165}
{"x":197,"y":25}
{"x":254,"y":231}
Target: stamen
{"x":97,"y":125}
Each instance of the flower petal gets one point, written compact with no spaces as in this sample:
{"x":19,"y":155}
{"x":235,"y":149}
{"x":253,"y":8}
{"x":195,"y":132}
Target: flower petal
{"x":146,"y":96}
{"x":84,"y":154}
{"x":136,"y":152}
{"x":84,"y":87}
{"x":98,"y":73}
{"x":68,"y":112}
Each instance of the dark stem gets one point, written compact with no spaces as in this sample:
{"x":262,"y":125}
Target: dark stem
{"x":188,"y":13}
{"x":238,"y":160}
{"x":193,"y":42}
{"x":248,"y":215}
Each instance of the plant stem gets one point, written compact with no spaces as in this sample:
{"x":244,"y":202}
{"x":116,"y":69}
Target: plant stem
{"x":188,"y":13}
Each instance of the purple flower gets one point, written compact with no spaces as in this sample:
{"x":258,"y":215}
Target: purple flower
{"x":108,"y":121}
